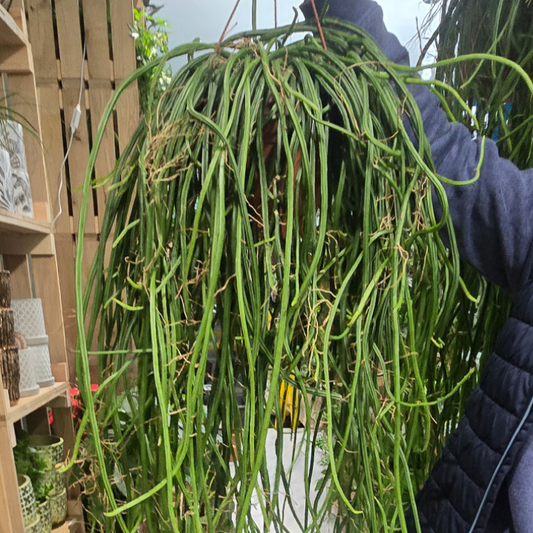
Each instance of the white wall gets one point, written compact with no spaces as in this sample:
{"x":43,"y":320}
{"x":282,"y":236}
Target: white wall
{"x":206,"y":19}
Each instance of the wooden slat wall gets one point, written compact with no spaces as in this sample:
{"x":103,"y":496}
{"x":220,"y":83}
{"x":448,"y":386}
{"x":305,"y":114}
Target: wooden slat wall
{"x":57,"y":29}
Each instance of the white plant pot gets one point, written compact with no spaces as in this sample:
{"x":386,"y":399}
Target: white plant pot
{"x":294,"y":462}
{"x":29,"y":317}
{"x":6,"y":183}
{"x":40,"y":353}
{"x":28,"y":382}
{"x":50,"y":448}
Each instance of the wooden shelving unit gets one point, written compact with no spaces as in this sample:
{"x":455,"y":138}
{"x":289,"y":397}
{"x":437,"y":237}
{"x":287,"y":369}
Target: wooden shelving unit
{"x":28,"y":250}
{"x":26,"y":406}
{"x":14,"y":47}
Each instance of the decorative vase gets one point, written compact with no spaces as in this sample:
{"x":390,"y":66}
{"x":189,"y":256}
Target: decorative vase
{"x":12,"y":140}
{"x":6,"y":182}
{"x":27,"y":500}
{"x":49,"y":448}
{"x":22,"y":202}
{"x":40,"y":354}
{"x":29,"y":317}
{"x":5,"y":289}
{"x":45,"y":514}
{"x":10,"y":371}
{"x":28,"y":383}
{"x":59,"y":507}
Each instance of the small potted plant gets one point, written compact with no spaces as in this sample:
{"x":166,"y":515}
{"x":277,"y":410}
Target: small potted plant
{"x":33,"y":466}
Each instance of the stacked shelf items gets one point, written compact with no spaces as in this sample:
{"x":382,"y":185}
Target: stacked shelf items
{"x":28,"y":252}
{"x":9,"y":355}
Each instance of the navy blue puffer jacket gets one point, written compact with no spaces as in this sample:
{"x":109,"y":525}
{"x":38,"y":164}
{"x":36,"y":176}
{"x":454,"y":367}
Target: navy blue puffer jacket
{"x":493,"y":222}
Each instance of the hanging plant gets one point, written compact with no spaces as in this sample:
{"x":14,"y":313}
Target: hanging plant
{"x":270,"y":228}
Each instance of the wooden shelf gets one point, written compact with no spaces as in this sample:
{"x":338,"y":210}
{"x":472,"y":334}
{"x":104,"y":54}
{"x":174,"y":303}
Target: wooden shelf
{"x":21,"y":235}
{"x":10,"y":34}
{"x":15,"y":223}
{"x":26,"y":406}
{"x":15,"y":50}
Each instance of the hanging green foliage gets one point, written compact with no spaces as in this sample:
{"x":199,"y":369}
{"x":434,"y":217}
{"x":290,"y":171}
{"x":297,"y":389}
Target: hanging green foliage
{"x":151,"y":42}
{"x":269,"y":240}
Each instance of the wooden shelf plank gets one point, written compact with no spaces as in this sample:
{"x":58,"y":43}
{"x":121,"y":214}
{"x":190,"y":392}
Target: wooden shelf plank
{"x":15,"y":223}
{"x":10,"y":33}
{"x":15,"y":51}
{"x":22,"y":235}
{"x":25,"y":406}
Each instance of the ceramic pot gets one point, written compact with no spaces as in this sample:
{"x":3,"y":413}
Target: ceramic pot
{"x":49,"y":448}
{"x":12,"y":140}
{"x":28,"y":382}
{"x":40,"y":353}
{"x":29,"y":317}
{"x":22,"y":202}
{"x":45,"y":514}
{"x":27,"y":500}
{"x":59,"y":507}
{"x":35,"y":527}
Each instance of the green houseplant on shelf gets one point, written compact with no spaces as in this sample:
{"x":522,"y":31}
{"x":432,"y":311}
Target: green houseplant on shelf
{"x":32,"y":464}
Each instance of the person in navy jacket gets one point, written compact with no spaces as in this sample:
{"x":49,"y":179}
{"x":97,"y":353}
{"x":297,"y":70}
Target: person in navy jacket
{"x":483,"y":481}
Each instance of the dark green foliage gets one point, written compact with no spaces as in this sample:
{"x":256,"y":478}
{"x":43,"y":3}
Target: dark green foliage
{"x":29,"y":463}
{"x":271,"y":212}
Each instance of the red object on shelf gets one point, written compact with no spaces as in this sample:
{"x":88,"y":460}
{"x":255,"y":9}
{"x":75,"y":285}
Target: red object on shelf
{"x":76,"y":399}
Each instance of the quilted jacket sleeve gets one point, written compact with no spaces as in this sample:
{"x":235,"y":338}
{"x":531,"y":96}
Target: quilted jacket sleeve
{"x":492,"y":218}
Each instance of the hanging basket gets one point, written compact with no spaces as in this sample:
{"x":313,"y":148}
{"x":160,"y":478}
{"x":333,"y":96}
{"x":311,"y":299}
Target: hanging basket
{"x":5,"y":289}
{"x":27,"y":500}
{"x":49,"y":448}
{"x":59,"y":507}
{"x":6,"y":183}
{"x":10,"y":371}
{"x":45,"y":514}
{"x":28,"y":382}
{"x":29,"y":317}
{"x":40,"y":354}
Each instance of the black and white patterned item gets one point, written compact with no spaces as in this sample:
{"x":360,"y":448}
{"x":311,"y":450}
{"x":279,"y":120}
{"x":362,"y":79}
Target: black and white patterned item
{"x":12,"y":140}
{"x":21,"y":193}
{"x":6,"y":182}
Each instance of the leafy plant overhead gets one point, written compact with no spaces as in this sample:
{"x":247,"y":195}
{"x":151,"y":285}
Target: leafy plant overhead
{"x":151,"y":42}
{"x":272,"y":211}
